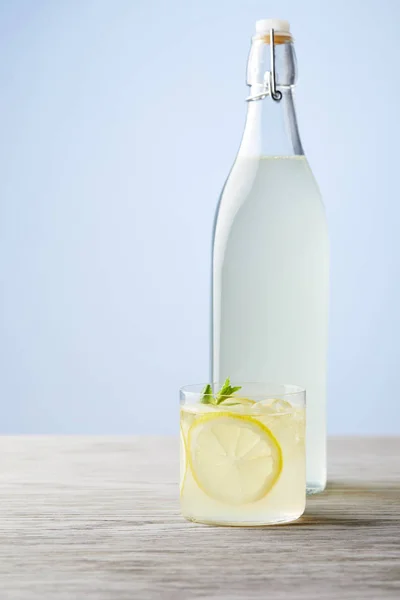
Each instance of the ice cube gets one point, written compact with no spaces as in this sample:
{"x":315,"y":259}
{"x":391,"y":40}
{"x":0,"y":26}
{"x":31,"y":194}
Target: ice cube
{"x":273,"y":406}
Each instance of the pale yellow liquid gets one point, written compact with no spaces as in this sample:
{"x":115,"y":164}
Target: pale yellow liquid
{"x":284,"y":502}
{"x":270,"y":287}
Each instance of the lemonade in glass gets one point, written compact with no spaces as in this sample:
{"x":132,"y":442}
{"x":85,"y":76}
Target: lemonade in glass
{"x":242,"y":451}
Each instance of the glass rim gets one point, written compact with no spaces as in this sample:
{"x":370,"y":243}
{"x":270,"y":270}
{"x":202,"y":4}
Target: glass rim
{"x":265,"y":388}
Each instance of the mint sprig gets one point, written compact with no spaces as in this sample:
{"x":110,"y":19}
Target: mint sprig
{"x":225,"y":392}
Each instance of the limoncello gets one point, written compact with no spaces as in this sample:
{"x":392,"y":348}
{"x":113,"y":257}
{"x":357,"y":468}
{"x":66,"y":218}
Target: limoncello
{"x":270,"y":252}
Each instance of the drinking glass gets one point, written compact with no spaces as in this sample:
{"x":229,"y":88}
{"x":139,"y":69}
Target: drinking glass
{"x":242,"y":453}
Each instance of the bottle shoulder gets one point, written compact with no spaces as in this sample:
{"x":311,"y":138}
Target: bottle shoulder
{"x":269,"y":194}
{"x":268,"y":180}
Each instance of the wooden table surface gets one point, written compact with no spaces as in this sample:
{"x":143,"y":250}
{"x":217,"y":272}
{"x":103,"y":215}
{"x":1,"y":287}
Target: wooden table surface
{"x":98,"y":518}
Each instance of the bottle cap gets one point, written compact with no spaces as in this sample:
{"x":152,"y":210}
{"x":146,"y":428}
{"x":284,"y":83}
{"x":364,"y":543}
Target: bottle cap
{"x":264,"y":25}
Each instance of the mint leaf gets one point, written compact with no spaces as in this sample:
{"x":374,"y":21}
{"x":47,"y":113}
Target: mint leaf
{"x":207,"y":395}
{"x":226,"y":391}
{"x":235,"y":389}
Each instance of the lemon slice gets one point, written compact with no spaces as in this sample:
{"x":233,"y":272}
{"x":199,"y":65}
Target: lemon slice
{"x":183,"y":461}
{"x":233,"y":458}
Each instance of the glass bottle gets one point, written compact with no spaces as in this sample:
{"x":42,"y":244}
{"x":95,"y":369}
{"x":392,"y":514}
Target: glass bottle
{"x":270,"y":249}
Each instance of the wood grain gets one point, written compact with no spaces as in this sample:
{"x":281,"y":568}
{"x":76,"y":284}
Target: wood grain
{"x":98,"y":518}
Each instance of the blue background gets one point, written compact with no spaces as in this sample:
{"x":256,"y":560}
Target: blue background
{"x":119,"y":123}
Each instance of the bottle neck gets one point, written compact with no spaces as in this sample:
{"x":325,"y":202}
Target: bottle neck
{"x":271,"y":125}
{"x":271,"y":128}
